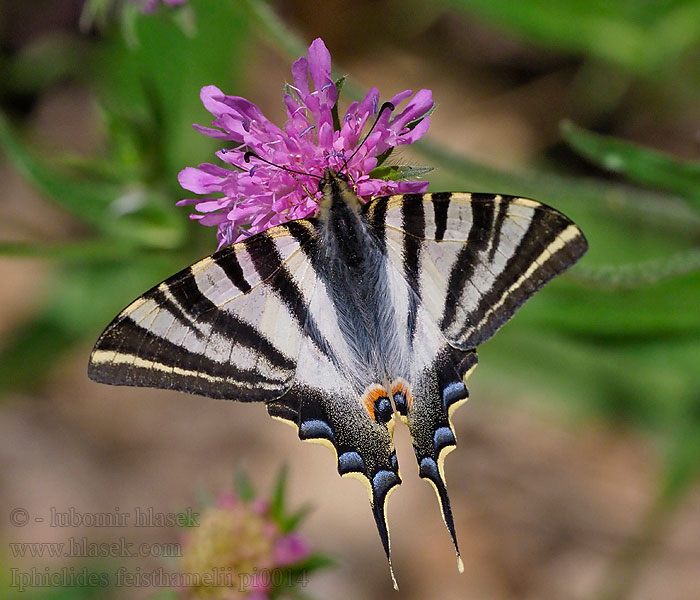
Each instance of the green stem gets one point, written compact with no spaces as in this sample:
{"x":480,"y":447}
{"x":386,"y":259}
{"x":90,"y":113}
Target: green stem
{"x":634,"y":275}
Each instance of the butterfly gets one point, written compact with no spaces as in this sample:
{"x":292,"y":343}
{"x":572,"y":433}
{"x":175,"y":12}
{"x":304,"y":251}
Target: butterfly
{"x":339,"y":322}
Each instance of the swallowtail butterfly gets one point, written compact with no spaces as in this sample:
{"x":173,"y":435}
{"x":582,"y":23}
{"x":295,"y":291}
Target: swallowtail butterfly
{"x":339,"y":322}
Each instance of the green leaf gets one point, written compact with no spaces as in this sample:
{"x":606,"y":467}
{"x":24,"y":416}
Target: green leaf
{"x":148,"y":218}
{"x":87,"y":201}
{"x":243,"y":484}
{"x":96,"y":13}
{"x":334,"y":111}
{"x":314,"y":562}
{"x":133,"y":214}
{"x":278,"y":496}
{"x":651,"y":385}
{"x":634,"y":275}
{"x":399,"y":172}
{"x":167,"y":69}
{"x":37,"y":342}
{"x":291,"y":522}
{"x":641,"y":165}
{"x":381,"y":159}
{"x":412,"y":124}
{"x":664,"y":310}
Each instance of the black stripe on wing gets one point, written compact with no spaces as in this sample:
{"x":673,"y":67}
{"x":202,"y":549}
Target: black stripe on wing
{"x":375,"y":213}
{"x":413,"y":221}
{"x":202,"y":311}
{"x":441,"y":204}
{"x":162,"y":361}
{"x":197,"y":332}
{"x":550,"y":245}
{"x":265,"y":252}
{"x":469,"y":256}
{"x":510,"y":247}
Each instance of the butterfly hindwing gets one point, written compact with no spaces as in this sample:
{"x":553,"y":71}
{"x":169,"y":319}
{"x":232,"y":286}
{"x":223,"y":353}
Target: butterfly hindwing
{"x":335,"y":416}
{"x":468,"y":262}
{"x":263,"y":321}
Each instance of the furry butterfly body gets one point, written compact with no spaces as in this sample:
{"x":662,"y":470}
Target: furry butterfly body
{"x":340,"y":322}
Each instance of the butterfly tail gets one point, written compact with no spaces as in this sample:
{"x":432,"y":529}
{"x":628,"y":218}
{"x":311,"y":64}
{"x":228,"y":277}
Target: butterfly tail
{"x":382,"y":485}
{"x":428,"y":412}
{"x":363,"y":445}
{"x":429,"y":470}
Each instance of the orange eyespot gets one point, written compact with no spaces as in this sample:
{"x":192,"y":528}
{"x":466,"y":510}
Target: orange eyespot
{"x":403,"y":398}
{"x":377,"y":403}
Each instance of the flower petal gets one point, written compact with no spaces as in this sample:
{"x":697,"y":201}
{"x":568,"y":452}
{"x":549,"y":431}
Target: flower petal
{"x":416,"y":133}
{"x":420,"y":104}
{"x":198,"y":181}
{"x":209,"y":95}
{"x":319,"y":63}
{"x":300,"y":73}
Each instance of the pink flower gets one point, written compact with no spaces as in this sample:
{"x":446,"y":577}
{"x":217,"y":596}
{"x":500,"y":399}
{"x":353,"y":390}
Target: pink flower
{"x":255,"y":196}
{"x":290,"y":550}
{"x":240,"y":548}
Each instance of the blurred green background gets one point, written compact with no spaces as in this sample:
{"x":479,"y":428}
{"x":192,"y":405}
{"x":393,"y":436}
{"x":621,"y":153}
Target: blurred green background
{"x":579,"y":451}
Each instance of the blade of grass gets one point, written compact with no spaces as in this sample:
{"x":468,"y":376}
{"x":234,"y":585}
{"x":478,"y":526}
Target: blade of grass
{"x":639,"y":164}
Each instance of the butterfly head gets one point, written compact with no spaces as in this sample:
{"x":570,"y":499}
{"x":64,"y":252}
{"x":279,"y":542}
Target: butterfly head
{"x":332,"y":182}
{"x":335,"y":188}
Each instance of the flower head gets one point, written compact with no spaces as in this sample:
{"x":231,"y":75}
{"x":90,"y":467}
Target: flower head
{"x":256,"y":195}
{"x":236,"y":547}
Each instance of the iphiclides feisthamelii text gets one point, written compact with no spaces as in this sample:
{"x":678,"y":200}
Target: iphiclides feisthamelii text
{"x":339,"y":322}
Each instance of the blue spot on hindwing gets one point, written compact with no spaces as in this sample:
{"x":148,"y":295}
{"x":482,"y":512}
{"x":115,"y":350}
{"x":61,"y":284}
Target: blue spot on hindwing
{"x":429,"y":469}
{"x":350,"y":462}
{"x":401,"y":403}
{"x":383,"y":481}
{"x":443,"y":437}
{"x":316,"y":428}
{"x":453,"y":392}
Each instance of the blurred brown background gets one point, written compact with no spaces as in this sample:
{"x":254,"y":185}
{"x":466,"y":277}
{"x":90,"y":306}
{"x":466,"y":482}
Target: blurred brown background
{"x":545,"y":499}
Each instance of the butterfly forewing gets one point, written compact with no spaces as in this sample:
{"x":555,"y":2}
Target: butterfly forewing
{"x":473,"y":259}
{"x":229,"y":326}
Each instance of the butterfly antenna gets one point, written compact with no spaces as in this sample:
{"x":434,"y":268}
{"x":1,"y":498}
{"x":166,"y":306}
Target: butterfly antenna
{"x":385,"y":106}
{"x":250,"y":154}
